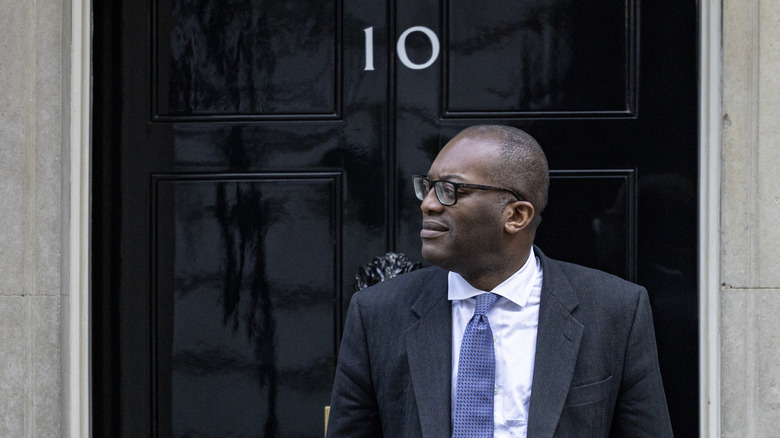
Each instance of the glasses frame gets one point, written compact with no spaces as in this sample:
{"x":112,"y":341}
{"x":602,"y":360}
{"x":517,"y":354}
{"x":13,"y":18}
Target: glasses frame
{"x":436,"y":184}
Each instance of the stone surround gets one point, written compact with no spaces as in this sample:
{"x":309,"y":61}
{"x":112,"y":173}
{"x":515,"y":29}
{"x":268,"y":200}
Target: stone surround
{"x":31,"y":218}
{"x":750,"y":208}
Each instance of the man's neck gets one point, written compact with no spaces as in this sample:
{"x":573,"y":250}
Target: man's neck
{"x":487,"y":278}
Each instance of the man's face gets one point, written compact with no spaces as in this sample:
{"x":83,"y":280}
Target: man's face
{"x":466,"y":237}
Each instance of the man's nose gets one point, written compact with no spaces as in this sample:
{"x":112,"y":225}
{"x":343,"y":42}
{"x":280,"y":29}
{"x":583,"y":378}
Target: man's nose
{"x":431,"y":203}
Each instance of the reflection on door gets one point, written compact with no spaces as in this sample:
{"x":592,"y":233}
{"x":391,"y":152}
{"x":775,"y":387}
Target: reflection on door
{"x":250,"y":343}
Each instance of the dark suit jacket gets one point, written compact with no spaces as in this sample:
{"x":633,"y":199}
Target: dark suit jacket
{"x":595,"y":373}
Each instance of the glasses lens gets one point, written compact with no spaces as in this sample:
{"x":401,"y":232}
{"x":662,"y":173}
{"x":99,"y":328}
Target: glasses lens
{"x":421,"y":187}
{"x":446,"y":192}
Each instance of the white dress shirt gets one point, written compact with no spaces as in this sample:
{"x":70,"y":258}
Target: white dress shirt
{"x":514,"y":320}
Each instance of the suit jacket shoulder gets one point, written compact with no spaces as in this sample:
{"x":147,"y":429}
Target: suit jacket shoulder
{"x":596,"y":360}
{"x":588,"y":281}
{"x":399,"y":294}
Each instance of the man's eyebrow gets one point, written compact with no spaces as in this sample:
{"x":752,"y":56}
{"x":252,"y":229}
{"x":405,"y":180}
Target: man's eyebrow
{"x":450,"y":177}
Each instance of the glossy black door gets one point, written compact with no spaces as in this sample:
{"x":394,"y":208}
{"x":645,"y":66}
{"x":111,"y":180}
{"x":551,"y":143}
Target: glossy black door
{"x":252,"y":154}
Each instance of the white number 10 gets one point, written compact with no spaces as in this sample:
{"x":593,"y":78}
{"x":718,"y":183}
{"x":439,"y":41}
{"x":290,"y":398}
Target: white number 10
{"x":401,"y":48}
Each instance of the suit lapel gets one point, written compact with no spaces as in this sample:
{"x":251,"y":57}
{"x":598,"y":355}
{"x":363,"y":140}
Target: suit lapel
{"x":429,"y":350}
{"x":557,"y":345}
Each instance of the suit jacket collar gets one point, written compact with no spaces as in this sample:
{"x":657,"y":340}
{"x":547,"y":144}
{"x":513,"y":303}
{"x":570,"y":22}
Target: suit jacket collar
{"x":429,"y":351}
{"x":557,"y":346}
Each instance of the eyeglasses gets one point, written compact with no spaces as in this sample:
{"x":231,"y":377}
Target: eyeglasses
{"x":447,"y":191}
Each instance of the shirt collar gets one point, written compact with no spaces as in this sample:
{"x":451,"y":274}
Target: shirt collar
{"x":517,"y":288}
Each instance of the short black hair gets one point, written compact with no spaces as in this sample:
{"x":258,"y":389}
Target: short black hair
{"x":521,"y":164}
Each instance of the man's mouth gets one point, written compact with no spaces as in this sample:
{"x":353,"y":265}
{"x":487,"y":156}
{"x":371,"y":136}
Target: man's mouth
{"x":432,"y":229}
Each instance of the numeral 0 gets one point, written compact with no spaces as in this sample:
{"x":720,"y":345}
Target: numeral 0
{"x":401,"y":48}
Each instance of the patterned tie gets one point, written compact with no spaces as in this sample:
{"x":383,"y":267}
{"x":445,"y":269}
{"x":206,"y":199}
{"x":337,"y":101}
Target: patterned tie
{"x":476,"y":375}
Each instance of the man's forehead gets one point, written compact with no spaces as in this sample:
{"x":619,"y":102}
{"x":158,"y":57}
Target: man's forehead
{"x":467,"y":150}
{"x":463,"y":160}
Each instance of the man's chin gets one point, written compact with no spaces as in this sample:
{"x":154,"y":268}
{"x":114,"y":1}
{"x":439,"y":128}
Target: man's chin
{"x":434,"y":256}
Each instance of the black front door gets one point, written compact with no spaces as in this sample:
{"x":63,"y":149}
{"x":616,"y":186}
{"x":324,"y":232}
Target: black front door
{"x":251,"y":155}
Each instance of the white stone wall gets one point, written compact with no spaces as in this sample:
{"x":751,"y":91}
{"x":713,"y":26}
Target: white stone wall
{"x":30,"y":218}
{"x":750,"y":220}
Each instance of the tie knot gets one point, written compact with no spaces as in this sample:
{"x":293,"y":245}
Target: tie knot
{"x":485,"y":302}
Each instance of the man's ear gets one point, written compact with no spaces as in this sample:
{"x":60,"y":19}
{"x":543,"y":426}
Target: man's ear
{"x":519,"y":215}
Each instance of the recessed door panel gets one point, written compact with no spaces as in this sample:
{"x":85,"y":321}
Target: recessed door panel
{"x":245,"y":304}
{"x":594,"y":219}
{"x":253,"y":59}
{"x":541,"y":58}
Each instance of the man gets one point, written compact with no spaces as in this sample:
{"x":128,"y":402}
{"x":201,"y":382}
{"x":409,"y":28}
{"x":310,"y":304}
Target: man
{"x":496,"y":339}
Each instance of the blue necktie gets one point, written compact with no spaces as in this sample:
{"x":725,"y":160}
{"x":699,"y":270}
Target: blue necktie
{"x":476,"y":375}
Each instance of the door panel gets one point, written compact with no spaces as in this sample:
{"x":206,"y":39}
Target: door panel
{"x":254,"y":59}
{"x":541,"y":58}
{"x":245,"y":308}
{"x":595,"y":219}
{"x":263,"y":151}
